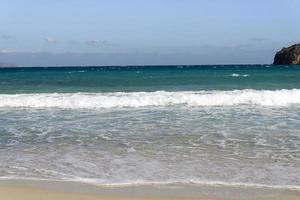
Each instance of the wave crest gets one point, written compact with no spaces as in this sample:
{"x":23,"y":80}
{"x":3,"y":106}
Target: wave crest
{"x":158,"y":98}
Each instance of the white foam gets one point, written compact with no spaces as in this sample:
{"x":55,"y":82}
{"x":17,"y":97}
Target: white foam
{"x":159,"y":98}
{"x":96,"y":182}
{"x":239,"y":75}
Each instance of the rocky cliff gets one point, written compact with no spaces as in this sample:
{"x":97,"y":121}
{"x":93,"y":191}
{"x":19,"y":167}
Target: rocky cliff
{"x":288,"y":56}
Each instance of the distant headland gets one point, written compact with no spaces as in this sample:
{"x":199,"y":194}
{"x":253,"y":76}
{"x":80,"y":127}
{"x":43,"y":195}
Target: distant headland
{"x":288,"y":56}
{"x":7,"y":65}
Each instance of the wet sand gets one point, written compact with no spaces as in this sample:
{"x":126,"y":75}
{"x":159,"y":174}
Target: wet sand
{"x":58,"y":190}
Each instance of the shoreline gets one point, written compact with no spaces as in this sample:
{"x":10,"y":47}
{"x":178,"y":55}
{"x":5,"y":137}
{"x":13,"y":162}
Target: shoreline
{"x":17,"y":189}
{"x":192,"y":183}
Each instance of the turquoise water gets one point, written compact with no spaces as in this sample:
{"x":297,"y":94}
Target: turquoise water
{"x":129,"y":79}
{"x":140,"y":125}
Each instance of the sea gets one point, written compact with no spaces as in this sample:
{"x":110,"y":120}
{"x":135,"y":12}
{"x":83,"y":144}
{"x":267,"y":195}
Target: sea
{"x":130,"y":125}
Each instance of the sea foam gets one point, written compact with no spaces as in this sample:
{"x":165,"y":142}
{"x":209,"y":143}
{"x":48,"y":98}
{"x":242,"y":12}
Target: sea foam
{"x":239,"y":75}
{"x":158,"y":98}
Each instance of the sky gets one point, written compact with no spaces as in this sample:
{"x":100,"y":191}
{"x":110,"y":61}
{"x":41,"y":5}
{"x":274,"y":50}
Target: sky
{"x":145,"y":32}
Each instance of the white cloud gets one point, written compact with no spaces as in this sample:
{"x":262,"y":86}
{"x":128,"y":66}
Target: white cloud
{"x":7,"y":51}
{"x":258,"y":39}
{"x":92,"y":42}
{"x":50,"y":40}
{"x":98,"y":43}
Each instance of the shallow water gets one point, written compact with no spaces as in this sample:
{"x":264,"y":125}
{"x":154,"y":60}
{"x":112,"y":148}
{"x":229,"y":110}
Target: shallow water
{"x":238,"y":131}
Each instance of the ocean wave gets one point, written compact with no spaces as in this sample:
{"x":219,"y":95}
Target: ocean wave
{"x":158,"y":98}
{"x":239,"y":75}
{"x":78,"y":71}
{"x":191,"y":182}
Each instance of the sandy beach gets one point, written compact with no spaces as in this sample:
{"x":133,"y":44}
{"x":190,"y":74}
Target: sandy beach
{"x":48,"y":190}
{"x":149,"y":100}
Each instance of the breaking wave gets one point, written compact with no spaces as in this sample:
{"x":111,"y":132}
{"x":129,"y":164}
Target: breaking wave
{"x":158,"y":98}
{"x":239,"y":75}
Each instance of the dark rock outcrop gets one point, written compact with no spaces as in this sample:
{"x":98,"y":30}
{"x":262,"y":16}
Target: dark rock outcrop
{"x":288,"y":56}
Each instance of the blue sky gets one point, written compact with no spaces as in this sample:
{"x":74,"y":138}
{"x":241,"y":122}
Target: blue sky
{"x":145,"y":32}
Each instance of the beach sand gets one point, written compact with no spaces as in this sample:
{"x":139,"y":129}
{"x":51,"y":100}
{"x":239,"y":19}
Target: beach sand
{"x":49,"y":190}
